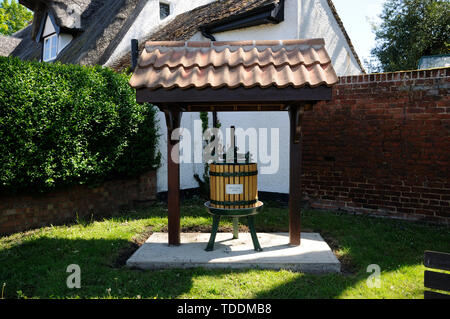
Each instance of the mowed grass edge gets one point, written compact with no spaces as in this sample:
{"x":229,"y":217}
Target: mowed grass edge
{"x":33,"y":264}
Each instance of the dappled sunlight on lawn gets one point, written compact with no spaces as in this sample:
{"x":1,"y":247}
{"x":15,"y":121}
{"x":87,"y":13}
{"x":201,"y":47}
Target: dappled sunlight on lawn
{"x":238,"y":284}
{"x":405,"y":282}
{"x":33,"y":263}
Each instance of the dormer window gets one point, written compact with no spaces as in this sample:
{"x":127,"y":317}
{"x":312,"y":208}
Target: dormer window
{"x":164,"y":10}
{"x":52,"y":39}
{"x":50,"y":48}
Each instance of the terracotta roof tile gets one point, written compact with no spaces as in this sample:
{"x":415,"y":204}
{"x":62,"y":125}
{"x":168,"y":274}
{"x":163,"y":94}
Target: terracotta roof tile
{"x":294,"y":63}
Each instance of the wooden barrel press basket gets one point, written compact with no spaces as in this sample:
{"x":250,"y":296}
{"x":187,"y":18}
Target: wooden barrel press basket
{"x":233,"y":186}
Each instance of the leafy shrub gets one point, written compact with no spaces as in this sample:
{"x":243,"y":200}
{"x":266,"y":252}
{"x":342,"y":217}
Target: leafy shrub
{"x":63,"y":125}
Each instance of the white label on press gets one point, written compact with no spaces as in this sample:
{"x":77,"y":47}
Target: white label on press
{"x":234,"y":189}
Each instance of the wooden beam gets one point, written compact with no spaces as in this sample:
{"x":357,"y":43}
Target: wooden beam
{"x":173,"y":121}
{"x":234,"y":107}
{"x":253,"y":95}
{"x":295,"y":173}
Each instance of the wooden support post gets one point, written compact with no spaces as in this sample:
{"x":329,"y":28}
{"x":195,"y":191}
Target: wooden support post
{"x":295,"y":174}
{"x":173,"y":120}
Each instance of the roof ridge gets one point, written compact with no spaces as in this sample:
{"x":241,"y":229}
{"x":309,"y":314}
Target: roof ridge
{"x":209,"y":44}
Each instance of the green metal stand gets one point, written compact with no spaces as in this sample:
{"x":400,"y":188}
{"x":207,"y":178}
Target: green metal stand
{"x":215,"y":227}
{"x":235,"y":214}
{"x":251,"y":225}
{"x":236,"y":228}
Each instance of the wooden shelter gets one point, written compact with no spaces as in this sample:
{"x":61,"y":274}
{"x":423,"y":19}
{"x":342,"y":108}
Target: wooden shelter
{"x":282,"y":75}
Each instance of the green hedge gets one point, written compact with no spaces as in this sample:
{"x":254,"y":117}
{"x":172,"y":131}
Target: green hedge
{"x":62,"y":125}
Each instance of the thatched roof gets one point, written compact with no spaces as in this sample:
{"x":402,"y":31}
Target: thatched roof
{"x":187,"y":24}
{"x":8,"y":44}
{"x":69,"y":15}
{"x":100,"y":27}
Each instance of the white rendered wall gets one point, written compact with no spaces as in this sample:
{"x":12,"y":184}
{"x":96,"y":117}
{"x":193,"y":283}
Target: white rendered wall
{"x":187,"y":171}
{"x":149,"y":21}
{"x":317,"y":21}
{"x":63,"y":41}
{"x":303,"y":19}
{"x":48,"y":28}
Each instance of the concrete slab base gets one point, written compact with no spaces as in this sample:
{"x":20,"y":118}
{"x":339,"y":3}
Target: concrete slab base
{"x":313,"y":256}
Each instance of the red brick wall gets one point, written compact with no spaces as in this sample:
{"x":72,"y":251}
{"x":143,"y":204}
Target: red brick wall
{"x":382,"y":146}
{"x":18,"y":213}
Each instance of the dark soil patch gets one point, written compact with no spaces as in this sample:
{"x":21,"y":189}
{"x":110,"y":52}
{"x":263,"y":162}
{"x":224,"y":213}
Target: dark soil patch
{"x":348,"y":266}
{"x":142,"y":237}
{"x":126,"y":252}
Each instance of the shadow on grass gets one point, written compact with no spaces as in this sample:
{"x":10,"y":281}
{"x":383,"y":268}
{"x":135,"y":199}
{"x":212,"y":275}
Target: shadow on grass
{"x":35,"y":266}
{"x":38,"y":267}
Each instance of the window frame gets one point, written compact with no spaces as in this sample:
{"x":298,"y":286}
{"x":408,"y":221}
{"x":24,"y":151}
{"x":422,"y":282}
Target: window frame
{"x":51,"y":39}
{"x":167,"y":5}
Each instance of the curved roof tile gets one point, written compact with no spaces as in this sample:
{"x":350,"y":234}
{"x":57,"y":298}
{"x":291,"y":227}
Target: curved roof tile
{"x":248,"y":64}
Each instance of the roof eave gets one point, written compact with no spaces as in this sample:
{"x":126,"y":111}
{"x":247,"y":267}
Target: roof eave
{"x":28,"y":4}
{"x":238,"y":95}
{"x":272,"y":13}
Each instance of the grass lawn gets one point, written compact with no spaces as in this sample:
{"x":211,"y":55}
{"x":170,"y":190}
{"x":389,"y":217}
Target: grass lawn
{"x":33,"y":264}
